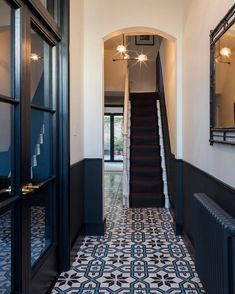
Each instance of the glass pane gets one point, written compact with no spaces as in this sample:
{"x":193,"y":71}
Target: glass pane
{"x":5,"y":146}
{"x":5,"y":252}
{"x":107,"y":147}
{"x":40,"y":145}
{"x":42,"y":223}
{"x":118,"y":137}
{"x":52,"y":6}
{"x":5,"y":49}
{"x":41,"y":66}
{"x":224,"y":111}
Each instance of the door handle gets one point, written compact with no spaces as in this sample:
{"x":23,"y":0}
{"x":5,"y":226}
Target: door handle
{"x":29,"y":188}
{"x":3,"y":191}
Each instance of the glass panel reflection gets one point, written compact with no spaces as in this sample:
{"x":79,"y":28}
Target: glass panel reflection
{"x":5,"y":51}
{"x":41,"y":65}
{"x":107,"y":147}
{"x":42,"y":223}
{"x":40,"y":145}
{"x":5,"y":145}
{"x":52,"y":6}
{"x":118,"y":138}
{"x":5,"y":252}
{"x":224,"y":80}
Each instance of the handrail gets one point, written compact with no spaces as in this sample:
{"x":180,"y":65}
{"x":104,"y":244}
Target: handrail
{"x":126,"y":137}
{"x":126,"y":103}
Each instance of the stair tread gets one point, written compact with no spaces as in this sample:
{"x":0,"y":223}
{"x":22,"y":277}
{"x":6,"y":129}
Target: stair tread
{"x":145,"y":169}
{"x":148,"y":182}
{"x":141,"y":194}
{"x":145,"y":146}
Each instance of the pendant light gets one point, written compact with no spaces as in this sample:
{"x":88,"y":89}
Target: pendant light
{"x":122,"y":49}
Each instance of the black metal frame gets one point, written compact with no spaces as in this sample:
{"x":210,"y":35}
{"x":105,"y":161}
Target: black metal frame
{"x":27,"y":14}
{"x":112,"y":115}
{"x":219,"y":135}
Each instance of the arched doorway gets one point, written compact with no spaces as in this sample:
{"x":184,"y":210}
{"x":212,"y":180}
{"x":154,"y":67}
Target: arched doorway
{"x":114,"y":78}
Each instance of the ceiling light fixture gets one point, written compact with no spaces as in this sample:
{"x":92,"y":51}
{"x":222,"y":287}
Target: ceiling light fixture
{"x":122,"y":49}
{"x":142,"y":58}
{"x":35,"y":57}
{"x":225,"y":51}
{"x":223,"y":54}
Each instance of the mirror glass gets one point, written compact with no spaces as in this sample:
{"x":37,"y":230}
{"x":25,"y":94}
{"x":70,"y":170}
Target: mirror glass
{"x":224,"y":112}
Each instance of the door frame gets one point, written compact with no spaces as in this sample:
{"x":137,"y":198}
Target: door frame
{"x":112,"y":115}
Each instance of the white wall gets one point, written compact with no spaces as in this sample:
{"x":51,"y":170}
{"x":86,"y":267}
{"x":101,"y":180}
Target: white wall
{"x":103,"y":17}
{"x":217,"y":160}
{"x":76,"y":80}
{"x":114,"y":72}
{"x":143,"y":75}
{"x":168,"y":60}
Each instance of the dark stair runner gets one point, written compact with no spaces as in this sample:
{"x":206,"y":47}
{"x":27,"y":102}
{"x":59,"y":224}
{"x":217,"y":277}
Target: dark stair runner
{"x":146,"y":186}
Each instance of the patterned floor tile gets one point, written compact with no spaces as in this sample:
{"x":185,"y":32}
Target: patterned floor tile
{"x":139,"y":253}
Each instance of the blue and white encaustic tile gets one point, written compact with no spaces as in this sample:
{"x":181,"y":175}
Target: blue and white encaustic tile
{"x":139,"y":254}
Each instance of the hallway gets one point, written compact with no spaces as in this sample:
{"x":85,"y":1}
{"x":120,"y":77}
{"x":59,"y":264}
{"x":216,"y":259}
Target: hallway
{"x":139,"y":254}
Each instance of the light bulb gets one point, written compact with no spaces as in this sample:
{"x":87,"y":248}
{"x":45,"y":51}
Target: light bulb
{"x":126,"y":56}
{"x":142,"y":58}
{"x":35,"y":57}
{"x":121,"y":48}
{"x":225,"y":51}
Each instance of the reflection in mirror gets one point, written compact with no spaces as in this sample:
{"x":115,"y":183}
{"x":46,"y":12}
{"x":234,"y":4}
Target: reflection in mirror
{"x":224,"y":111}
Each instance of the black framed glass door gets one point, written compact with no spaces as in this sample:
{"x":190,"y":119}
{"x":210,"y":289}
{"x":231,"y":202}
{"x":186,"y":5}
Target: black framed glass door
{"x":113,"y":137}
{"x":41,"y":182}
{"x":29,"y":146}
{"x":9,"y":135}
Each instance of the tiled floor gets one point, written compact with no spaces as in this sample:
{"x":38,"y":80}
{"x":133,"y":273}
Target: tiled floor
{"x":139,"y":254}
{"x":113,"y":166}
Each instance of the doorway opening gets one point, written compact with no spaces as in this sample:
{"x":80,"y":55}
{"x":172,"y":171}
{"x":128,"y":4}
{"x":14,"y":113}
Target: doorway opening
{"x":113,"y":137}
{"x":130,"y":71}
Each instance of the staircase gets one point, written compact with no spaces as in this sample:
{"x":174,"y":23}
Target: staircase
{"x":146,"y":185}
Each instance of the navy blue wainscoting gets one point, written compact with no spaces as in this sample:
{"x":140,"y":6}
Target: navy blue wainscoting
{"x":93,"y":202}
{"x":197,"y":181}
{"x":76,"y":200}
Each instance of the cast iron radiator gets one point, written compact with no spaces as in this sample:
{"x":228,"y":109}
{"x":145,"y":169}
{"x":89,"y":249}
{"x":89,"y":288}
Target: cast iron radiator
{"x":214,"y":242}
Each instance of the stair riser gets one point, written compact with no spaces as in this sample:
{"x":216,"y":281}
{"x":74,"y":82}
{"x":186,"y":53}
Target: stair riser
{"x":145,"y":163}
{"x":150,"y":175}
{"x":144,"y":150}
{"x":138,"y":102}
{"x":146,"y":203}
{"x":144,"y":141}
{"x":144,"y":124}
{"x":142,"y":112}
{"x":146,"y":188}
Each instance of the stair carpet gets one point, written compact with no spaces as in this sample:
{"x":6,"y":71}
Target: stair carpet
{"x":146,"y":185}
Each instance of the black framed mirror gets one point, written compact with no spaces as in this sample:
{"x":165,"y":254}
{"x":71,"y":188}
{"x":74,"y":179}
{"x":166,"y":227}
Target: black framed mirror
{"x":222,"y":81}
